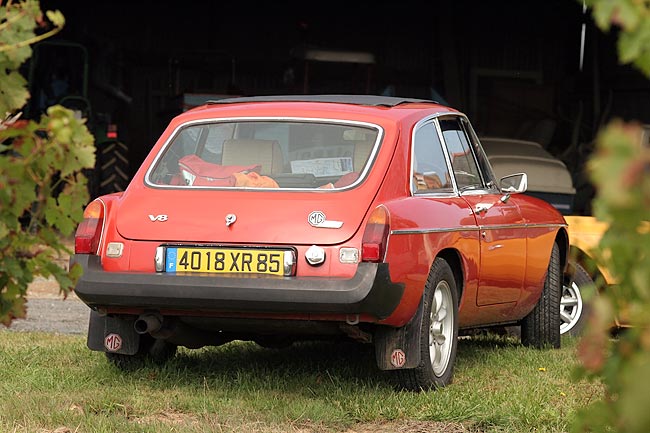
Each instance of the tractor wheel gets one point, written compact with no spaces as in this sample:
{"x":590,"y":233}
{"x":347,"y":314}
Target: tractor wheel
{"x":112,"y":167}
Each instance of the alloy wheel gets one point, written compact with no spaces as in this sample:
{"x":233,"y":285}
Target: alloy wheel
{"x":570,"y":307}
{"x":441,"y":328}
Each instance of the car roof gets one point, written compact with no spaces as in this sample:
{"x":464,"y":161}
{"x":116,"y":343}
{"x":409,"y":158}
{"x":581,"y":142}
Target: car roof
{"x":369,"y":100}
{"x":365,"y":108}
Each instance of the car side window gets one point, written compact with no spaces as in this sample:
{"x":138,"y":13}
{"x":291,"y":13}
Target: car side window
{"x":481,"y":157}
{"x":463,"y":162}
{"x":430,"y":172}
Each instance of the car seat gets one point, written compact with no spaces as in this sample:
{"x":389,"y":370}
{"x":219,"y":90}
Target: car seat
{"x":266,"y":153}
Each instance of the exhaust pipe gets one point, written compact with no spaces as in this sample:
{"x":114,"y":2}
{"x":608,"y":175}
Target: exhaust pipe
{"x":148,"y":323}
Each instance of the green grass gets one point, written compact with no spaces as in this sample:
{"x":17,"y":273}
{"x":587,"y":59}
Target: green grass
{"x":52,"y":381}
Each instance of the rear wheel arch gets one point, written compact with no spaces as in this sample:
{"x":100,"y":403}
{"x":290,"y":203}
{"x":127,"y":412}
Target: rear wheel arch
{"x":432,"y":337}
{"x":407,"y":338}
{"x":562,"y":241}
{"x":453,"y":258}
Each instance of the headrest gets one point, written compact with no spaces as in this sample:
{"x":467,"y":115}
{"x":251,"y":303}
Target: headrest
{"x":266,"y":153}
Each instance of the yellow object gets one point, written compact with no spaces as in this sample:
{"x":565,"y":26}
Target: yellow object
{"x":585,"y":233}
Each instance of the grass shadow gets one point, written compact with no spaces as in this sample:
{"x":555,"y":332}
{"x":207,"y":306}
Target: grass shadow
{"x":245,"y":365}
{"x":322,"y":364}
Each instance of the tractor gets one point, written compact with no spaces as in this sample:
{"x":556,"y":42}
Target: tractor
{"x":59,"y":74}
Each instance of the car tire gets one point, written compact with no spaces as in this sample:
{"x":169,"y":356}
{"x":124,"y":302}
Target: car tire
{"x":541,"y":327}
{"x":439,"y":333}
{"x":151,"y":349}
{"x":573,"y":309}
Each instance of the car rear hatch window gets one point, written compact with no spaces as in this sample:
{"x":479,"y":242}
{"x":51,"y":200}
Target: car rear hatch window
{"x":266,"y":154}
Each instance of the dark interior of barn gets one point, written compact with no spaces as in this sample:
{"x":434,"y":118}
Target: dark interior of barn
{"x":538,"y":71}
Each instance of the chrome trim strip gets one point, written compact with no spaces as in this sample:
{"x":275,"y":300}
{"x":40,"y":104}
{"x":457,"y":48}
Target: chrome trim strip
{"x":503,"y":226}
{"x":421,"y":123}
{"x":445,"y":151}
{"x":101,"y":233}
{"x":439,"y":230}
{"x":329,"y":224}
{"x":481,"y":191}
{"x":435,"y":120}
{"x":472,"y":228}
{"x":541,"y":226}
{"x":435,"y":194}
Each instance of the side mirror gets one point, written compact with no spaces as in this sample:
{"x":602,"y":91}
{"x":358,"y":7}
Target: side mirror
{"x":514,"y":183}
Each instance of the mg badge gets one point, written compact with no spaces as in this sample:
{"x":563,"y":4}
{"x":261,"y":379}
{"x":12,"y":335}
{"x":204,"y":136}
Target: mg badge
{"x":398,"y":358}
{"x":316,"y":218}
{"x":113,"y":342}
{"x":230,"y":219}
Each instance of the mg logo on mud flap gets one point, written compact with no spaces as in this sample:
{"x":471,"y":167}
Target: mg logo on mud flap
{"x":398,"y":358}
{"x":113,"y":342}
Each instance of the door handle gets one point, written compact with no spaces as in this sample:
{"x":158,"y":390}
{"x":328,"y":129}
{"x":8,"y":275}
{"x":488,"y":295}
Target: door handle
{"x":483,"y":207}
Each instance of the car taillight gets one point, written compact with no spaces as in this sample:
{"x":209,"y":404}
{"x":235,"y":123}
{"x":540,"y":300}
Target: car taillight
{"x":89,"y":232}
{"x":373,"y":245}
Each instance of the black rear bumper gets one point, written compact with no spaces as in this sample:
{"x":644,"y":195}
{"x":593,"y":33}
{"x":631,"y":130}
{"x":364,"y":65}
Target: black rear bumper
{"x":369,"y":291}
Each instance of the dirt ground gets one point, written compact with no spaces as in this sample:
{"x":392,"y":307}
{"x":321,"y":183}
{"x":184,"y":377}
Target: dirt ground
{"x":42,"y":288}
{"x":48,"y":311}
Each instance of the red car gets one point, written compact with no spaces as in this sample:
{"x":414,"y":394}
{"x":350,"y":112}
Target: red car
{"x":283,"y":218}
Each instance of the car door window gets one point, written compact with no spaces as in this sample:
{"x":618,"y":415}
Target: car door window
{"x":463,"y":162}
{"x":430,"y":172}
{"x":488,"y":175}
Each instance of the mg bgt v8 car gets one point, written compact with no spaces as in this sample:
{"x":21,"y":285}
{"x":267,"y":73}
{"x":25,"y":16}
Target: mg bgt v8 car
{"x":276,"y":219}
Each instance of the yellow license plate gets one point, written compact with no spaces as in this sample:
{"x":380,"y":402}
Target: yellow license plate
{"x":226,"y":260}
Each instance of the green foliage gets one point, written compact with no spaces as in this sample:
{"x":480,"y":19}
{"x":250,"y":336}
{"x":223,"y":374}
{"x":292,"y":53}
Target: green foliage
{"x":633,"y":18}
{"x":42,"y":190}
{"x":17,"y":23}
{"x":620,"y":171}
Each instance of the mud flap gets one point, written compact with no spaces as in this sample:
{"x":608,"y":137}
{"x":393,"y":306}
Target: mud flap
{"x":399,"y":348}
{"x":112,"y":334}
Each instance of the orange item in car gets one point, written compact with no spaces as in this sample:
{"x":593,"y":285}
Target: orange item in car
{"x":255,"y":180}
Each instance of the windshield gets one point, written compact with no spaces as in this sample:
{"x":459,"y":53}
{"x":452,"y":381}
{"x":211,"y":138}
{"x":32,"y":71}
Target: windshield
{"x":265,"y":154}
